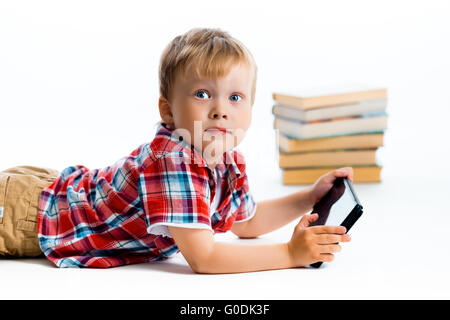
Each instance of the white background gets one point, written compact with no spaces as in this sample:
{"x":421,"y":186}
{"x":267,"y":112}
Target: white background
{"x":79,"y":85}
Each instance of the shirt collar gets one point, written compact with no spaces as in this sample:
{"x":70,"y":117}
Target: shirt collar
{"x":229,"y":164}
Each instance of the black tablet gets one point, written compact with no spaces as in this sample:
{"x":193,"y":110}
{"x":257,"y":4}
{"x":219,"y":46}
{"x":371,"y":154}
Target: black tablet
{"x":339,"y":207}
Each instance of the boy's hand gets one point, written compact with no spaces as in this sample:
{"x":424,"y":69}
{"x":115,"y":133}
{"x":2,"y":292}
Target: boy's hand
{"x":313,"y":244}
{"x":325,"y":182}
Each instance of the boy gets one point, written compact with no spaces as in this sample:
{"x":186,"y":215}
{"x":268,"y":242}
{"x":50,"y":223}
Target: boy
{"x":174,"y":193}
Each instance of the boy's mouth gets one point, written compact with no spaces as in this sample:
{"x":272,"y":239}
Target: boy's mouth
{"x":218,"y":130}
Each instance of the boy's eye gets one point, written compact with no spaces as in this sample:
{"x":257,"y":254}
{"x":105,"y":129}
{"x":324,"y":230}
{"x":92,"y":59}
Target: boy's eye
{"x":235,"y":97}
{"x":202,"y":94}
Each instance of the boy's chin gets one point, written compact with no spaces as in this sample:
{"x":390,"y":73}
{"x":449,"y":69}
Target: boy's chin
{"x":215,"y":150}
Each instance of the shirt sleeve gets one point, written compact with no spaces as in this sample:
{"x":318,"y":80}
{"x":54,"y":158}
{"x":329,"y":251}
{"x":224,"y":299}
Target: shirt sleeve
{"x":246,"y":203}
{"x":174,"y":193}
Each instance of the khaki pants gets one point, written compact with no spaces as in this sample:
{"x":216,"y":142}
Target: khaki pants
{"x":20,"y":189}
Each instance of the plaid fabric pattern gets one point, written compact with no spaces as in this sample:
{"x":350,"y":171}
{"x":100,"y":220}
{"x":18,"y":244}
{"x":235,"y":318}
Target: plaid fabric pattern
{"x":104,"y":217}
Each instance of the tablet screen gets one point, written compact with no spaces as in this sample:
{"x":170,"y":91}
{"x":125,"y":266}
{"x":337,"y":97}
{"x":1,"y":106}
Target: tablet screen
{"x":340,"y":206}
{"x":336,"y":205}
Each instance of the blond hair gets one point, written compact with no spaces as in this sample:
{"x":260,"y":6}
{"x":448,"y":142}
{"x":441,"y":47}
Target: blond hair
{"x":207,"y":52}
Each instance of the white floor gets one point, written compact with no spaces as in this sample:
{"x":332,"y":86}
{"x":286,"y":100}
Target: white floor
{"x":399,"y":250}
{"x":91,"y":97}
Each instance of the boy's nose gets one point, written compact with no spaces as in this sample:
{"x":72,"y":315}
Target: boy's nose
{"x":218,"y":112}
{"x":219,"y":115}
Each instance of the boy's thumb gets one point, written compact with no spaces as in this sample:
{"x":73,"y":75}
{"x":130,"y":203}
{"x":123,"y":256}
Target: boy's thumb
{"x":306,"y":220}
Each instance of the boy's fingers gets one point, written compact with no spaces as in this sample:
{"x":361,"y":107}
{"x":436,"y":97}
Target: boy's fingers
{"x":306,"y":220}
{"x":330,"y":248}
{"x":330,"y":229}
{"x":332,"y":238}
{"x":344,"y":172}
{"x":326,"y":257}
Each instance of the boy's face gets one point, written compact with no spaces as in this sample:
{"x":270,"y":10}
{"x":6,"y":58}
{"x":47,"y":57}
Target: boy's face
{"x":211,"y":114}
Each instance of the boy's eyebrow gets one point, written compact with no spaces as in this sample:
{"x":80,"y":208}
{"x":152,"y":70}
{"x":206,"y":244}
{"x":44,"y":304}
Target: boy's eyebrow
{"x":200,"y":81}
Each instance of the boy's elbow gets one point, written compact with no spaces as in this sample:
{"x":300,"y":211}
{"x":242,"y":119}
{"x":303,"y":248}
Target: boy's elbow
{"x":200,"y":267}
{"x":207,"y":262}
{"x":196,"y":246}
{"x":199,"y":270}
{"x":253,"y":236}
{"x":196,"y":266}
{"x":246,"y":235}
{"x":243,"y":231}
{"x":200,"y":263}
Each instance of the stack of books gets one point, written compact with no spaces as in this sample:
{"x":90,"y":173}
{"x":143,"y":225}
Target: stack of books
{"x":317,"y":133}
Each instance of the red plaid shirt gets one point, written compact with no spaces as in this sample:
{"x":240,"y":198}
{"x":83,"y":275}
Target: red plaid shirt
{"x":119,"y":214}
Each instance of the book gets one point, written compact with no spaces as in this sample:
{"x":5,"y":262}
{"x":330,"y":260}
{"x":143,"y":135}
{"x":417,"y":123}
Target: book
{"x":341,"y":158}
{"x":333,"y":127}
{"x":370,"y":140}
{"x":306,"y":100}
{"x":362,"y":107}
{"x":310,"y":175}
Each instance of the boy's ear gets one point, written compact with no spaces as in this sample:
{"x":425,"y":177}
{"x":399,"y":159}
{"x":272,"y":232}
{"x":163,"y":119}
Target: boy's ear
{"x":164,"y":111}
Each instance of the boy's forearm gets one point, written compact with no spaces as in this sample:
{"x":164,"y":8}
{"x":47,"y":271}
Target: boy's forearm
{"x":234,"y":258}
{"x":274,"y":213}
